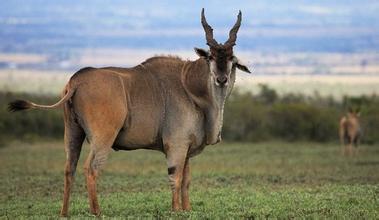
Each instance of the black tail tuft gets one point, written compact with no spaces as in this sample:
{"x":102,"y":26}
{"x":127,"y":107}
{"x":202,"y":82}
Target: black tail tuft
{"x":18,"y":105}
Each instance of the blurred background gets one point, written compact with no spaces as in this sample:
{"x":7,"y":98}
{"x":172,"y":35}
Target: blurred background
{"x":280,"y":157}
{"x":318,"y":57}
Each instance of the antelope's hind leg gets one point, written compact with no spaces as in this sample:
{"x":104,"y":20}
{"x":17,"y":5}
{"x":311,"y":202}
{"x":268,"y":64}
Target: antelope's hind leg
{"x":185,"y":186}
{"x":345,"y":145}
{"x":95,"y":160}
{"x":73,"y":137}
{"x":100,"y":148}
{"x":101,"y":105}
{"x":350,"y":149}
{"x":356,"y":146}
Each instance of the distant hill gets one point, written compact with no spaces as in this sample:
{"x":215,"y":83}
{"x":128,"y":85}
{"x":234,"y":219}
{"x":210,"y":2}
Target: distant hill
{"x":61,"y":28}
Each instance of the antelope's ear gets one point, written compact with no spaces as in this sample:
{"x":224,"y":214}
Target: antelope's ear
{"x":202,"y":53}
{"x":240,"y":66}
{"x":243,"y":68}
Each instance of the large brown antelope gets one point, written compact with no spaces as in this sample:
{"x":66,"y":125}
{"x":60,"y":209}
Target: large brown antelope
{"x":350,"y":132}
{"x":165,"y":104}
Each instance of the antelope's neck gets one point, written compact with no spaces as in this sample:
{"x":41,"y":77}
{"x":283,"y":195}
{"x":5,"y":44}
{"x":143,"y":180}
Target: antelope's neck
{"x":201,"y":88}
{"x":215,"y":114}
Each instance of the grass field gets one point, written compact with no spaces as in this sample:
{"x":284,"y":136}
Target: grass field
{"x":263,"y":180}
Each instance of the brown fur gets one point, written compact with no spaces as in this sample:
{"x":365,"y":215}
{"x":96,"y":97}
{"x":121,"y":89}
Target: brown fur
{"x":164,"y":104}
{"x":350,"y":133}
{"x":138,"y":108}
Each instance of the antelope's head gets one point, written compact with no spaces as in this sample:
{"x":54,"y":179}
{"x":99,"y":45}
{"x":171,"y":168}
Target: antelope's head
{"x":220,"y":57}
{"x":353,"y":113}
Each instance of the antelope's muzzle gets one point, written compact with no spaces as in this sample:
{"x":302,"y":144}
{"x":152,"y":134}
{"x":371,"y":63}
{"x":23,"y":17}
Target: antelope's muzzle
{"x":222,"y":81}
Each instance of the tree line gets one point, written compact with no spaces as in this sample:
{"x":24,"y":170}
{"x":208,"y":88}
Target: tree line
{"x":295,"y":117}
{"x":247,"y":117}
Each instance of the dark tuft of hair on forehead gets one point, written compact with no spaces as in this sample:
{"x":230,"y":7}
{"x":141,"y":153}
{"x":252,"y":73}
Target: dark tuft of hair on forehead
{"x":221,"y":55}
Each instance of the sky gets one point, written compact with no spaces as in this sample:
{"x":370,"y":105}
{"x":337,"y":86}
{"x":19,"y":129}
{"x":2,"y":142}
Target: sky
{"x":63,"y":29}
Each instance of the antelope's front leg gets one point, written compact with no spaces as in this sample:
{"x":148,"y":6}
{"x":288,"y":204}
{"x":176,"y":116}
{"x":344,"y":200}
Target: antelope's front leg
{"x":176,"y":161}
{"x":185,"y":186}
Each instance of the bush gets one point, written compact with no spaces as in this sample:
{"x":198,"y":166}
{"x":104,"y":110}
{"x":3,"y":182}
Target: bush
{"x":247,"y":117}
{"x":294,"y":117}
{"x":29,"y":124}
{"x":302,"y":121}
{"x":244,"y":120}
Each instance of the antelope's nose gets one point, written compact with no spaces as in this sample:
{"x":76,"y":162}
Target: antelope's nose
{"x":222,"y":80}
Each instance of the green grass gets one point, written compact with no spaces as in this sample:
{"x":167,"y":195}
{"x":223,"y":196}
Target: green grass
{"x":262,"y":180}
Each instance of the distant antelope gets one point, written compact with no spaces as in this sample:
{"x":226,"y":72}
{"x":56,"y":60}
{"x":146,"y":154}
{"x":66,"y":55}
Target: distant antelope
{"x":350,"y":132}
{"x":165,"y":104}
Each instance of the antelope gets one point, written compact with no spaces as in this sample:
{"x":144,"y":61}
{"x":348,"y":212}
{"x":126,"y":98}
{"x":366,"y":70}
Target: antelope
{"x":350,"y":132}
{"x":166,"y":104}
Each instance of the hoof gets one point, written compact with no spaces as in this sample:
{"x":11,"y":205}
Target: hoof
{"x":175,"y":209}
{"x":63,"y":215}
{"x":96,"y":213}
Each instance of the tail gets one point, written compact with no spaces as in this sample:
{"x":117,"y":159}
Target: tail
{"x":19,"y":105}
